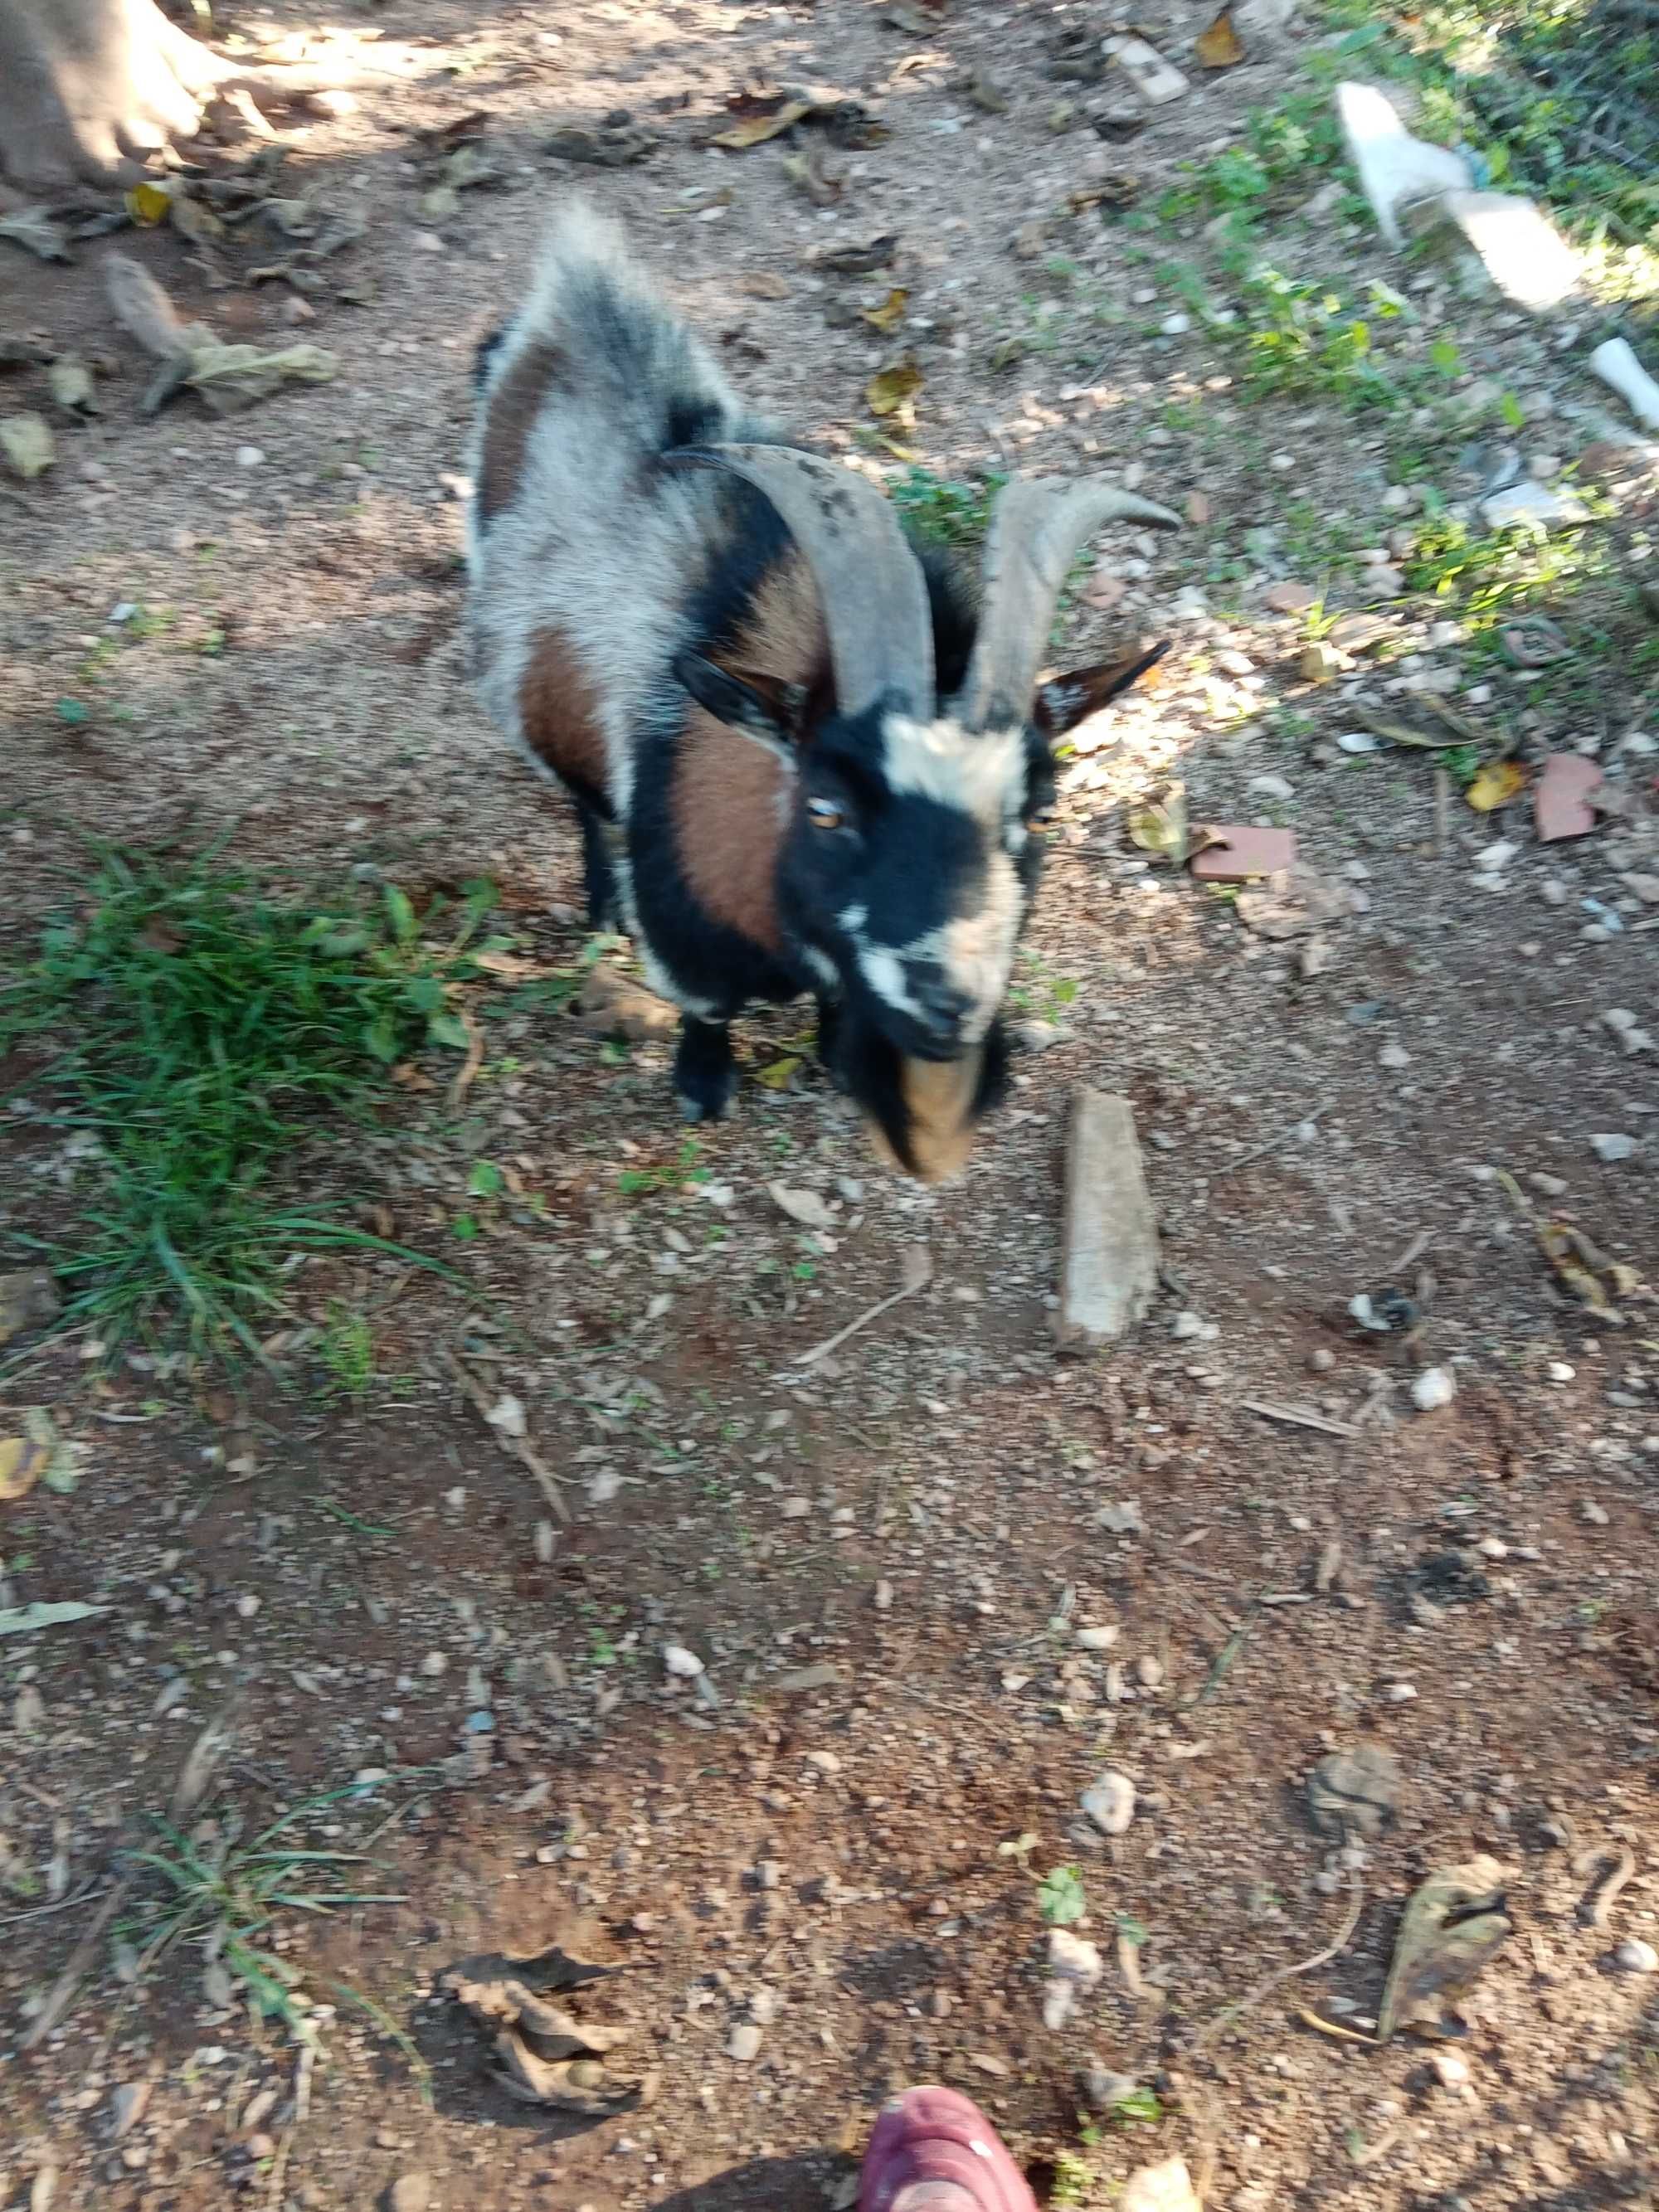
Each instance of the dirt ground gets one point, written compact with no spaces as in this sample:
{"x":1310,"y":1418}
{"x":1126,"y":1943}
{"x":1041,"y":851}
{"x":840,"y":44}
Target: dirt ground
{"x":836,"y":1835}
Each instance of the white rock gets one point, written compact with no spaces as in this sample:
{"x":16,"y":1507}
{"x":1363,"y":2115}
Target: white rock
{"x":1270,"y":787}
{"x":681,"y":1662}
{"x":1154,"y":79}
{"x":250,"y":457}
{"x":1072,"y":1959}
{"x":1612,"y":1145}
{"x":744,"y":2042}
{"x":1166,"y":2188}
{"x":508,"y":1414}
{"x":1531,"y":506}
{"x":434,"y":1663}
{"x":1097,"y":1639}
{"x":1434,"y":1387}
{"x":1394,"y":169}
{"x":1176,"y":326}
{"x":1636,"y":1957}
{"x":1110,"y":1803}
{"x":1491,"y":860}
{"x":1615,"y":364}
{"x":1359,"y":742}
{"x":1393,"y":1058}
{"x":1451,"y":2069}
{"x":1524,"y":254}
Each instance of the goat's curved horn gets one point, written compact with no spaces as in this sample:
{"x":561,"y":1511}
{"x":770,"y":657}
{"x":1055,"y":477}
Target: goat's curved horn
{"x":874,"y":595}
{"x":1037,"y":527}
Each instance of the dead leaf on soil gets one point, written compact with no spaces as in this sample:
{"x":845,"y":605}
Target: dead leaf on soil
{"x":28,"y":1300}
{"x":760,"y":117}
{"x":1160,"y":826}
{"x":1498,"y":784}
{"x":34,"y":228}
{"x":1119,"y":189}
{"x":1220,"y":47}
{"x":23,"y":1464}
{"x":803,"y":1206}
{"x":1453,"y":1925}
{"x":70,"y":382}
{"x":548,"y":2055}
{"x":983,"y":92}
{"x":779,"y":1073}
{"x":28,"y":444}
{"x":28,"y":1619}
{"x":856,"y":260}
{"x":891,"y":313}
{"x":892,"y":393}
{"x":1584,"y":1270}
{"x":918,"y":17}
{"x":617,"y":146}
{"x":809,"y":173}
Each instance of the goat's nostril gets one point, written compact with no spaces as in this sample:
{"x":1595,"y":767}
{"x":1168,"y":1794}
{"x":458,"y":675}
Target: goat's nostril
{"x":945,"y":1004}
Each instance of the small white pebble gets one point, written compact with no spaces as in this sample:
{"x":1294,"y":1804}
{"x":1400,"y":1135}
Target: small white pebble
{"x":1434,"y":1387}
{"x":681,"y":1662}
{"x":250,"y":457}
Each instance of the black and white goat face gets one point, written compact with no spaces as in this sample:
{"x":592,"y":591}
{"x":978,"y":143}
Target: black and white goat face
{"x":909,"y":860}
{"x":912,"y":864}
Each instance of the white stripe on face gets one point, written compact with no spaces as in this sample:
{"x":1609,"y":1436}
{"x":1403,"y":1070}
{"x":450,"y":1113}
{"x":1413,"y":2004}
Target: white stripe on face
{"x":984,"y":775}
{"x":974,"y":954}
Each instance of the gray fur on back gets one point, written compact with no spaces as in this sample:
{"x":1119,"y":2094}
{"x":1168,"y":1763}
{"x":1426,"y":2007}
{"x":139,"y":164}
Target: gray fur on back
{"x":597,"y":543}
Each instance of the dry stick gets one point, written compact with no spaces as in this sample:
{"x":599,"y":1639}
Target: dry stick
{"x":831,"y":1343}
{"x":1260,"y":1152}
{"x":58,"y":1997}
{"x":1298,"y":1416}
{"x":1442,"y":813}
{"x":1596,"y":1904}
{"x":1248,"y":2003}
{"x":467,"y":1073}
{"x":517,"y":1448}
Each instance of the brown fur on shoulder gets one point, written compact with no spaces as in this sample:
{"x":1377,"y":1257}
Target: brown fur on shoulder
{"x":729,"y":806}
{"x":782,"y":638}
{"x":514,"y":403}
{"x":559,"y":716}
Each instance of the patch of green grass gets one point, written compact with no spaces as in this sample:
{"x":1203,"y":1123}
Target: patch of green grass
{"x":1303,"y":340}
{"x":346,"y":1350}
{"x":211,"y":1027}
{"x":686,"y":1167}
{"x":221,"y":1895}
{"x":1493,"y":574}
{"x":939,"y":512}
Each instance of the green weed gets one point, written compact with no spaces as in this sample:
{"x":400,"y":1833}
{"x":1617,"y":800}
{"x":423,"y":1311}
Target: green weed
{"x":1061,"y":1898}
{"x":940,"y":511}
{"x":211,"y":1029}
{"x":346,"y":1350}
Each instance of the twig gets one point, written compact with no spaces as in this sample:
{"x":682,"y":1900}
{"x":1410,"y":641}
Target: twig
{"x":1596,"y":1904}
{"x":871,"y":1313}
{"x":40,"y":1911}
{"x":1247,"y":2003}
{"x":62,"y":1990}
{"x":1260,"y":1152}
{"x":1442,"y":814}
{"x":466,"y":1075}
{"x":1298,"y":1416}
{"x":517,"y":1448}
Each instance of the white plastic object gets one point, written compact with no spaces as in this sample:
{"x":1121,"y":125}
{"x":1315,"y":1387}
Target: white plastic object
{"x":1615,"y":364}
{"x":1394,"y":169}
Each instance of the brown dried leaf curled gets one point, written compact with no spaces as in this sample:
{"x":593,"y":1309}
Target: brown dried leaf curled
{"x":1453,"y":1925}
{"x":1220,"y":47}
{"x":892,"y":393}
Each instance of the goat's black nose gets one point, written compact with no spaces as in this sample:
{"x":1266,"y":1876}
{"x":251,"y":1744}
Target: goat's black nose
{"x":944,"y":1005}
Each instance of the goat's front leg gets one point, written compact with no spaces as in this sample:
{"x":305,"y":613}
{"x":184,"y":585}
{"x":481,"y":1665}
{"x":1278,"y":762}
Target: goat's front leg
{"x":830,"y":1022}
{"x":705,"y":1073}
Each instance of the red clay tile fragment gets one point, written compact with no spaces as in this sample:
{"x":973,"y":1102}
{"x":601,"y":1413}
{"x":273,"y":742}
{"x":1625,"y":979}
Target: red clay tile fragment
{"x":1241,"y":851}
{"x":1560,"y":797}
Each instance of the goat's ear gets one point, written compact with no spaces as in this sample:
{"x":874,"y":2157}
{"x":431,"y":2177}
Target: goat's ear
{"x":1066,"y":701}
{"x":765,"y":716}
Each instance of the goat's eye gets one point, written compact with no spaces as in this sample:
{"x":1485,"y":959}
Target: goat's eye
{"x":824,"y":814}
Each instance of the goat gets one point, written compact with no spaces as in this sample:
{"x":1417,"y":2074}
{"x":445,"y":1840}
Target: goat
{"x":727,"y":652}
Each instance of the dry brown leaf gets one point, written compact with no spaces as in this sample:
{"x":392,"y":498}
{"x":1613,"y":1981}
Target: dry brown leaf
{"x":773,"y":118}
{"x":891,"y":313}
{"x":28,"y":444}
{"x":1496,"y":785}
{"x":892,"y":393}
{"x":857,"y":260}
{"x":1160,"y":826}
{"x":1220,"y":47}
{"x":23,"y":1464}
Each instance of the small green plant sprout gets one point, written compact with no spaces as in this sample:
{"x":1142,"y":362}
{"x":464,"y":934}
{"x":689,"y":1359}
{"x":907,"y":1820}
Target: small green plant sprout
{"x":346,"y":1349}
{"x":686,"y":1167}
{"x":941,"y":511}
{"x":222,"y":1897}
{"x":1061,"y":1898}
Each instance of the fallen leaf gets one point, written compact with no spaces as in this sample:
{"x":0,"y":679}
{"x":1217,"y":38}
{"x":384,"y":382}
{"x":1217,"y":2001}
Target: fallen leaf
{"x":771,"y":120}
{"x":892,"y":393}
{"x":28,"y":1300}
{"x":857,"y":260}
{"x":232,"y":377}
{"x":615,"y":148}
{"x":1496,"y":785}
{"x":1220,"y":47}
{"x":809,"y":174}
{"x":548,"y":2054}
{"x":891,"y":313}
{"x":70,"y":380}
{"x":803,"y":1206}
{"x":984,"y":91}
{"x":28,"y":1620}
{"x":762,"y":284}
{"x":1118,"y":189}
{"x":194,"y":219}
{"x":33,"y":227}
{"x":1160,"y":826}
{"x":1585,"y":1271}
{"x":149,"y":204}
{"x":23,"y":1464}
{"x":778,"y":1075}
{"x":28,"y":445}
{"x":1453,"y":1924}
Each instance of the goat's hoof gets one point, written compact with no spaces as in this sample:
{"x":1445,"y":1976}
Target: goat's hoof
{"x":704,"y":1109}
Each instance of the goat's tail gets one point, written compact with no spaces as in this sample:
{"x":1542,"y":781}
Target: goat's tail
{"x":620,"y":349}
